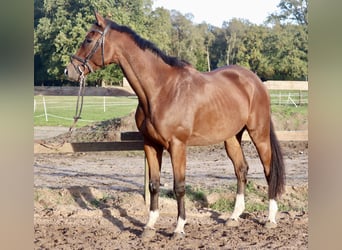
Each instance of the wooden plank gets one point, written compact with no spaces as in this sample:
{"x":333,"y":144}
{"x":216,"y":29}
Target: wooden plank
{"x":107,"y":146}
{"x":40,"y":148}
{"x":131,"y":136}
{"x":287,"y":85}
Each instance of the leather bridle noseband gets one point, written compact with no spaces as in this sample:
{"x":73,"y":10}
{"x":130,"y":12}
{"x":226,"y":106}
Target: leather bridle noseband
{"x":85,"y":61}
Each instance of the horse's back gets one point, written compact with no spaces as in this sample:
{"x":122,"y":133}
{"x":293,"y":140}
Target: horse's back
{"x":240,"y":84}
{"x":236,"y":75}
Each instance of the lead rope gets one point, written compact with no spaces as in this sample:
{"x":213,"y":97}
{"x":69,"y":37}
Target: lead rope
{"x":78,"y":104}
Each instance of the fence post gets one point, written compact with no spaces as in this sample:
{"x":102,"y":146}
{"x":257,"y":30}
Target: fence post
{"x":45,"y":111}
{"x":104,"y":104}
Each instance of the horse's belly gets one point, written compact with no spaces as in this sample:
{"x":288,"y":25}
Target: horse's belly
{"x":197,"y":139}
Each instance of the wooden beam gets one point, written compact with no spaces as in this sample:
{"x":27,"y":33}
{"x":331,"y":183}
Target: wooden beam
{"x":131,"y":136}
{"x":107,"y":146}
{"x":287,"y":85}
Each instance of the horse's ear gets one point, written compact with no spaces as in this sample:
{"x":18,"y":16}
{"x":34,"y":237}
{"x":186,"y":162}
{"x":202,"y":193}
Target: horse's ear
{"x":100,"y":20}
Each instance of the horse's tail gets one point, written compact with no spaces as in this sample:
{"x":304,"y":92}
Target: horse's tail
{"x":276,"y":183}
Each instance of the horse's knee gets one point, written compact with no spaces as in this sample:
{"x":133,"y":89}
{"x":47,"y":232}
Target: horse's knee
{"x":179,"y":189}
{"x":154,"y":186}
{"x":243,"y":173}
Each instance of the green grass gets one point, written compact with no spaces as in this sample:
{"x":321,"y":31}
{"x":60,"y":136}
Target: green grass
{"x":61,"y":109}
{"x":290,"y":116}
{"x":289,"y":111}
{"x":223,"y":205}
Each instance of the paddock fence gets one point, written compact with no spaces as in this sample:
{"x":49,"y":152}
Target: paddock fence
{"x":288,"y":92}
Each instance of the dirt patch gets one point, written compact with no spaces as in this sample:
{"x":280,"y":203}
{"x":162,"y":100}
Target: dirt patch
{"x":89,"y":218}
{"x":95,"y":200}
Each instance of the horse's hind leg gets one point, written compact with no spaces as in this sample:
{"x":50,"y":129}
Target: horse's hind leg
{"x":154,"y":158}
{"x":270,"y":154}
{"x":234,"y":151}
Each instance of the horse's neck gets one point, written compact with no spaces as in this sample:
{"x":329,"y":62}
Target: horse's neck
{"x":143,"y":72}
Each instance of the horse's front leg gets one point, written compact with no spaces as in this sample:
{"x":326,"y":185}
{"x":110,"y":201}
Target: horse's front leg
{"x":178,"y":158}
{"x":154,"y":158}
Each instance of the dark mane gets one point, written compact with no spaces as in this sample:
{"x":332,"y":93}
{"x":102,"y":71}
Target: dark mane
{"x":145,"y":44}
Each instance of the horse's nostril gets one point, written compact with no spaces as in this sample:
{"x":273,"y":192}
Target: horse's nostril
{"x":66,"y":71}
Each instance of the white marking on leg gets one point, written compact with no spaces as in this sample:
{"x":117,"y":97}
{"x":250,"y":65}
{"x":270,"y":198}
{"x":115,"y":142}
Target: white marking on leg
{"x":273,"y":208}
{"x":152,"y":219}
{"x":180,"y":226}
{"x":239,"y":206}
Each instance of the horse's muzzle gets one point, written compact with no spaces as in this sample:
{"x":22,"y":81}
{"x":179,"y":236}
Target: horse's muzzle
{"x":71,"y":73}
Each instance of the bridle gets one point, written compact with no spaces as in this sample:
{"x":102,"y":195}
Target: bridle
{"x":85,"y":62}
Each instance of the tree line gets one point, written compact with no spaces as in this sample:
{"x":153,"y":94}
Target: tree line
{"x":275,"y":50}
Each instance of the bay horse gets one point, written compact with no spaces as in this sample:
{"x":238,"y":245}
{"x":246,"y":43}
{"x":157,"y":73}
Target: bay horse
{"x":179,"y":106}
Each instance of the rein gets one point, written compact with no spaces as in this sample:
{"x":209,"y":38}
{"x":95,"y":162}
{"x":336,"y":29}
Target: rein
{"x":78,"y":104}
{"x":85,"y":64}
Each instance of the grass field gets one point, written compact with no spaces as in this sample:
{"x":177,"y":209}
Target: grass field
{"x":60,"y":110}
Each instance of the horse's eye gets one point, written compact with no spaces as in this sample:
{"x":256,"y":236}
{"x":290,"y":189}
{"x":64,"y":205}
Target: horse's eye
{"x":88,"y":40}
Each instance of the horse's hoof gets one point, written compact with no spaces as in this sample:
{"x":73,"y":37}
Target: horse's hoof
{"x":270,"y":225}
{"x":148,"y":233}
{"x":232,"y":223}
{"x":177,"y":236}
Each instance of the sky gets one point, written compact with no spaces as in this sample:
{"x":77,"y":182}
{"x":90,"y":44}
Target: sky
{"x":215,"y":12}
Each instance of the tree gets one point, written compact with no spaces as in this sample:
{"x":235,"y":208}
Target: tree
{"x":275,"y":50}
{"x":252,"y":54}
{"x":181,"y":37}
{"x":208,"y":40}
{"x":291,"y":53}
{"x":295,"y":11}
{"x":61,"y":25}
{"x":160,"y":29}
{"x":235,"y":33}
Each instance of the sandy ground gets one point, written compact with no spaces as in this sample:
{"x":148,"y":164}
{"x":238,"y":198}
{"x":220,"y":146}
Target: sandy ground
{"x":95,"y":201}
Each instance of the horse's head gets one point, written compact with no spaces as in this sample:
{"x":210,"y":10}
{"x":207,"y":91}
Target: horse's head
{"x":92,"y":53}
